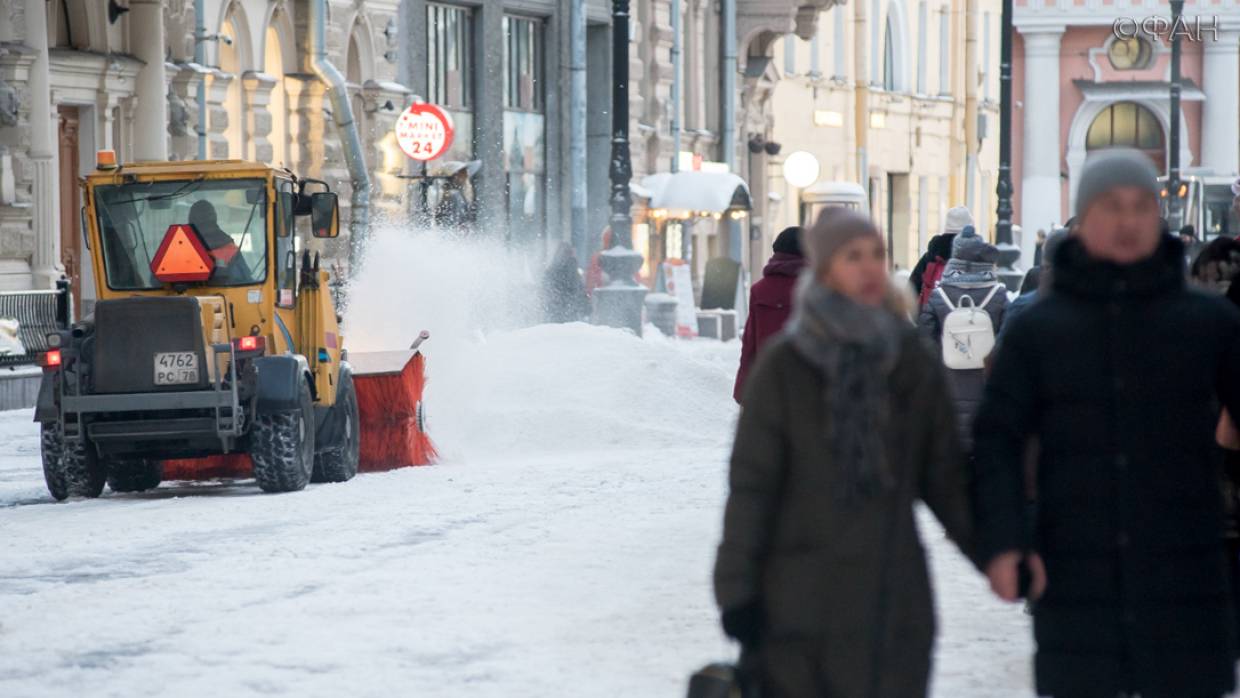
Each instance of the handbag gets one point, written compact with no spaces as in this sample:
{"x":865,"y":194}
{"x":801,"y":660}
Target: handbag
{"x":717,"y":680}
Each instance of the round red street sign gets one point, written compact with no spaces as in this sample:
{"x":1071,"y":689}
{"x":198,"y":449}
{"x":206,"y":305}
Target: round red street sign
{"x":424,"y":131}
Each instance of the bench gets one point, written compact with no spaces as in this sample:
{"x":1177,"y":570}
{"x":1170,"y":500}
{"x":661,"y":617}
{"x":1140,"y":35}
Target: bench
{"x":37,"y":313}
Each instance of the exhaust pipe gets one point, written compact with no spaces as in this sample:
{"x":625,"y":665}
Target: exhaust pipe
{"x":342,"y":114}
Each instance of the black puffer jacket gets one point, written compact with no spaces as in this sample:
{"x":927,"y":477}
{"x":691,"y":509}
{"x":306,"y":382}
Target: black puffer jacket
{"x":1119,"y":372}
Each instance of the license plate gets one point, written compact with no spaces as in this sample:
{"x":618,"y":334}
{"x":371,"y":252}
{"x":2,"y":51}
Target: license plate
{"x":176,"y":368}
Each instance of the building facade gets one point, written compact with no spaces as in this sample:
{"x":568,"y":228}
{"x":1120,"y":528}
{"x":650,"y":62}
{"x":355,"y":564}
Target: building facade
{"x":1085,"y":77}
{"x":878,"y":96}
{"x":77,"y":77}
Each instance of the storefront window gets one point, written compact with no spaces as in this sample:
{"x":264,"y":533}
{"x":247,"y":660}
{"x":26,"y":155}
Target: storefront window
{"x":449,"y":71}
{"x":524,"y":128}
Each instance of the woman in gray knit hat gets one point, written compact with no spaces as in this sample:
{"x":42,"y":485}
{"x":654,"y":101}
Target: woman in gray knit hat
{"x":970,"y":272}
{"x":843,"y":427}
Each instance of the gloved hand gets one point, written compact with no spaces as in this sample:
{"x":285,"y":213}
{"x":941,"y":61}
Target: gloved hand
{"x":744,"y":623}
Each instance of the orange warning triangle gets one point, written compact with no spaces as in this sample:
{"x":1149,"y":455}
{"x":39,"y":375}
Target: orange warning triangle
{"x":182,"y":257}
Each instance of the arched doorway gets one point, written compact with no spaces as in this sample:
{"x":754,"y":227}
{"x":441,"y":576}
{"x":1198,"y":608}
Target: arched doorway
{"x":1128,"y":125}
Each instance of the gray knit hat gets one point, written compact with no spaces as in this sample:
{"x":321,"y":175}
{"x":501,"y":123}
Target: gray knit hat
{"x":835,"y":227}
{"x":968,"y":246}
{"x":1111,"y":168}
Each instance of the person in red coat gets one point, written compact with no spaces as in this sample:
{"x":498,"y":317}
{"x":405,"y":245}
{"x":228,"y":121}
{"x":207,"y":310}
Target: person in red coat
{"x":770,"y":300}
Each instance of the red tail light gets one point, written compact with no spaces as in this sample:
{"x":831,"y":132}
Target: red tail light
{"x":250,"y":343}
{"x":52,"y":358}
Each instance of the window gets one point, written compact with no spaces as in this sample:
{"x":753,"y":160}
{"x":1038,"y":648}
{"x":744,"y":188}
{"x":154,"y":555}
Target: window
{"x":840,"y":65}
{"x":1125,"y":124}
{"x":876,"y":13}
{"x":815,"y":63}
{"x":286,"y":245}
{"x":449,"y":71}
{"x":922,"y":19}
{"x":790,"y":55}
{"x":1132,"y":53}
{"x":889,"y":59}
{"x":523,"y":60}
{"x":229,"y":216}
{"x":945,"y":60}
{"x":524,"y":129}
{"x":986,"y":56}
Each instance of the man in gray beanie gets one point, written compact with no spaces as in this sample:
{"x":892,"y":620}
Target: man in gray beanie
{"x":1117,"y":372}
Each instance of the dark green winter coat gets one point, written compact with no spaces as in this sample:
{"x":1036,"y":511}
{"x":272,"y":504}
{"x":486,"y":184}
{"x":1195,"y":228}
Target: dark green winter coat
{"x":838,"y":584}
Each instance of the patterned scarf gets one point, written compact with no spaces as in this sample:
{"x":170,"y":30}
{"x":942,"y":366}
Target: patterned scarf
{"x":856,"y":348}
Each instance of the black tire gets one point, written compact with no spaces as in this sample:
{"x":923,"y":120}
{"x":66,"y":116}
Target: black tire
{"x":282,"y":447}
{"x":70,"y":469}
{"x":340,"y":441}
{"x":134,"y":474}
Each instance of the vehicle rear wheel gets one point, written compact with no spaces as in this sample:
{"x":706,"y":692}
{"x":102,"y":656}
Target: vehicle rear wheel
{"x":71,"y":469}
{"x":282,"y":447}
{"x":340,"y":440}
{"x":134,"y":474}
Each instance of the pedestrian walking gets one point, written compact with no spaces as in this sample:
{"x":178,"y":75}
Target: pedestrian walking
{"x":564,"y":293}
{"x":1118,"y":373}
{"x":820,"y":574}
{"x":770,"y":301}
{"x":1043,"y":285}
{"x":926,"y":273}
{"x":1039,"y":246}
{"x":970,"y":282}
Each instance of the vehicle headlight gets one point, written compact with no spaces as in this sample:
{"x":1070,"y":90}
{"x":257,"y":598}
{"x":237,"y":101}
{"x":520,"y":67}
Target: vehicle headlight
{"x":53,"y":340}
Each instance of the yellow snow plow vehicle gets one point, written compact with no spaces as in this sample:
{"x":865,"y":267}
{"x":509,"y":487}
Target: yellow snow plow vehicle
{"x":214,"y":333}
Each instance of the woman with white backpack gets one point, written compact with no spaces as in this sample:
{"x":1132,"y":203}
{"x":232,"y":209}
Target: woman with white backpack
{"x":963,"y":317}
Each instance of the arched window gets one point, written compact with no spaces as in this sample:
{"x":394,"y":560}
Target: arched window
{"x":1128,"y":125}
{"x":273,"y":65}
{"x":230,"y":60}
{"x":889,"y":58}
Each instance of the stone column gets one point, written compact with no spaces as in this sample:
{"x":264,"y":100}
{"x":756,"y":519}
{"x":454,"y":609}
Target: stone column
{"x":258,"y":116}
{"x":1041,"y":153}
{"x":183,"y":123}
{"x":146,"y":26}
{"x":217,"y":113}
{"x":45,"y":196}
{"x":1220,"y":145}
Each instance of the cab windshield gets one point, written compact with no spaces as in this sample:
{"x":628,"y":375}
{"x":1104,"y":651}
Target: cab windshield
{"x":230,"y":216}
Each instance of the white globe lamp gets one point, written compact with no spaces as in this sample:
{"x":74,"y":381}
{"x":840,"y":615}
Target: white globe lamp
{"x":801,"y":169}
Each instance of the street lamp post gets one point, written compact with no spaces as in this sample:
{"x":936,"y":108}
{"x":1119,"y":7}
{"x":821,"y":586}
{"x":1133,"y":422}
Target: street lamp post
{"x":619,"y":303}
{"x":1174,"y":200}
{"x":1008,"y":252}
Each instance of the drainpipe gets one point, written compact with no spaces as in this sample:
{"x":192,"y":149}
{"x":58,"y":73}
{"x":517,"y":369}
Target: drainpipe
{"x":342,"y":114}
{"x":578,"y":96}
{"x":736,"y":245}
{"x":676,"y":127}
{"x":200,"y":57}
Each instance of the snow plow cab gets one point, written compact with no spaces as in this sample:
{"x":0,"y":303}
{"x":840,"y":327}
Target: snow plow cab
{"x":214,"y":336}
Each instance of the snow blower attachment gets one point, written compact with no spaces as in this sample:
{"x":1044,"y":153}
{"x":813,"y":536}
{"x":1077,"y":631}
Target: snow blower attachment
{"x":220,"y":354}
{"x":389,"y":399}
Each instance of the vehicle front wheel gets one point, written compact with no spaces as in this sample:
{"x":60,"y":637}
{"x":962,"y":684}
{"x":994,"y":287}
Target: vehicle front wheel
{"x":340,"y":440}
{"x":134,"y":474}
{"x":71,"y":469}
{"x":282,"y":447}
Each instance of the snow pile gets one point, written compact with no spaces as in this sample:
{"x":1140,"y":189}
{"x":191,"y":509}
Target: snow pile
{"x":564,"y":388}
{"x":497,"y":390}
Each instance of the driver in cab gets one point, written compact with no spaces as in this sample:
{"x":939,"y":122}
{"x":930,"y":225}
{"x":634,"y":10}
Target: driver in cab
{"x":219,"y":243}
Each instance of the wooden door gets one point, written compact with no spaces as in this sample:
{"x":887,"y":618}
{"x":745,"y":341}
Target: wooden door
{"x":70,"y":202}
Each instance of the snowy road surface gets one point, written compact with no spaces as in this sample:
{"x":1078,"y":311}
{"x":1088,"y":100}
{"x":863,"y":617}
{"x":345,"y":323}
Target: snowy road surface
{"x":563,"y":548}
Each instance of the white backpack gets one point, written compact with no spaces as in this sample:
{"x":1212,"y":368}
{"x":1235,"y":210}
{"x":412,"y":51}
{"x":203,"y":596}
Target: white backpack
{"x":968,"y":333}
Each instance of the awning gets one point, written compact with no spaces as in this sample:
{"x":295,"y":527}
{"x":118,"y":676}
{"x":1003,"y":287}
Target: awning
{"x":706,"y":192}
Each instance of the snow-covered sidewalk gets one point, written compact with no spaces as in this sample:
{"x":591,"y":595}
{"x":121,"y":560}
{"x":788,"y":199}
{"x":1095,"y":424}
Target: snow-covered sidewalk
{"x":564,"y":548}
